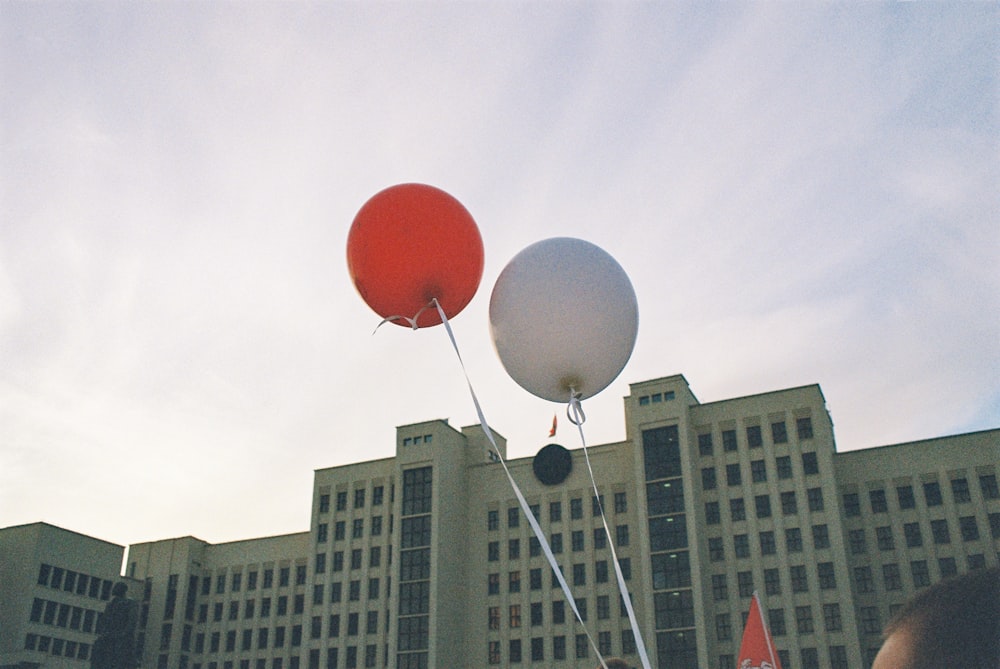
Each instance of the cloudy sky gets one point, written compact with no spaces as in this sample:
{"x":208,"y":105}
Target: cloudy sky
{"x":800,"y":192}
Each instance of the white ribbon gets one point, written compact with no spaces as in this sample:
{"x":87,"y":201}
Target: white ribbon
{"x":576,"y":416}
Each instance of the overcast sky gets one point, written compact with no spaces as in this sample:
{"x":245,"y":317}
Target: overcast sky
{"x":800,"y":193}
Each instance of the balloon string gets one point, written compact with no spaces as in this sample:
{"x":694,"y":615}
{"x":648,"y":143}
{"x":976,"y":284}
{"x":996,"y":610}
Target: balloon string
{"x":575,"y":412}
{"x":411,"y":321}
{"x":497,"y":456}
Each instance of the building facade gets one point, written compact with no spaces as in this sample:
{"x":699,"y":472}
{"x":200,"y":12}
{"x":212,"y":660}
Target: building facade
{"x":428,"y":559}
{"x":54,"y":585}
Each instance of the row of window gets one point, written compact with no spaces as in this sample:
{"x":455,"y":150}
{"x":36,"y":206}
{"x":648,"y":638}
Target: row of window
{"x":913,"y":533}
{"x":355,"y":558}
{"x":557,"y":648}
{"x":808,"y":658}
{"x":656,"y":398}
{"x":762,"y":506}
{"x":273,"y":637}
{"x":758,"y":471}
{"x":76,"y":582}
{"x":377,"y":498}
{"x":798,"y":578}
{"x":264,"y":579}
{"x":64,"y":615}
{"x":906,"y":499}
{"x":578,"y":576}
{"x":557,"y":609}
{"x":577,"y":543}
{"x":767,"y":543}
{"x":920,"y":573}
{"x":755,"y":436}
{"x":373,"y":590}
{"x":42,"y":643}
{"x":357,"y":529}
{"x":576,"y":511}
{"x":351,"y":658}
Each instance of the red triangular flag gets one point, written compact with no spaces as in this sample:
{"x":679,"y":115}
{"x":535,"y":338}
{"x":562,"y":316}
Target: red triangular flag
{"x":552,"y":432}
{"x":757,"y":650}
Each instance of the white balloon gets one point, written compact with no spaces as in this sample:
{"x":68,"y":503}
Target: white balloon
{"x":564,"y":318}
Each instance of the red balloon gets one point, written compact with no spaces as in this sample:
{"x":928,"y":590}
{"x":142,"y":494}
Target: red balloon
{"x":409,"y":244}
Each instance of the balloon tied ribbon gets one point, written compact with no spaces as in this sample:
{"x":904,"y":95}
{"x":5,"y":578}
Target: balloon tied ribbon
{"x":411,"y":321}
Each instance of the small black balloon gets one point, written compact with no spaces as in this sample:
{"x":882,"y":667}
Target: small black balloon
{"x":552,"y":464}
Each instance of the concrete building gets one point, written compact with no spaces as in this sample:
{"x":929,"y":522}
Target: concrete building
{"x":427,"y":558}
{"x":54,"y":584}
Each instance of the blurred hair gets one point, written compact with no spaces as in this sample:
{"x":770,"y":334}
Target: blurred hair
{"x":954,"y":623}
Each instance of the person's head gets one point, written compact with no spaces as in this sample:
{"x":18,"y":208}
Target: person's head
{"x":952,"y":624}
{"x":119,"y":589}
{"x":615,"y":663}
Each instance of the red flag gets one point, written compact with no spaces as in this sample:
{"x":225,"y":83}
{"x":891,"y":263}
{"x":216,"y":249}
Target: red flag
{"x":757,"y":650}
{"x":552,"y":432}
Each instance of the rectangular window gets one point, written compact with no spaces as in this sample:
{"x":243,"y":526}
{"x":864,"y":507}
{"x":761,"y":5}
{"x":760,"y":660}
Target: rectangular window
{"x":741,"y":545}
{"x":708,"y":478}
{"x":852,"y":505}
{"x":776,"y":621}
{"x":947,"y":566}
{"x":661,"y":453}
{"x":716,"y":551}
{"x":555,"y":512}
{"x":821,"y":537}
{"x":712,"y":515}
{"x":793,"y":540}
{"x":513,"y":549}
{"x":832,"y":621}
{"x":733,"y":476}
{"x":960,"y":490}
{"x":891,"y":578}
{"x":804,"y":619}
{"x":359,"y":498}
{"x":621,"y":535}
{"x":799,"y":579}
{"x":417,"y":491}
{"x":815,"y":498}
{"x":729,"y":440}
{"x":779,"y":433}
{"x":577,"y":540}
{"x":492,"y":520}
{"x":758,"y":471}
{"x":576,"y":508}
{"x":744,"y":580}
{"x":911,"y":531}
{"x":856,"y":542}
{"x":772,"y":582}
{"x":737,"y":509}
{"x":783,"y":463}
{"x":826,"y":575}
{"x":810,"y":465}
{"x":789,"y":504}
{"x":621,"y":502}
{"x":920,"y":573}
{"x":754,"y":438}
{"x":988,"y":486}
{"x":878,"y":501}
{"x":762,"y":504}
{"x":514,"y":581}
{"x":904,"y":494}
{"x":768,"y":546}
{"x":884,"y":539}
{"x":720,"y":589}
{"x":513,"y":516}
{"x":804,"y":428}
{"x":723,"y":628}
{"x":705,"y":443}
{"x":968,"y":528}
{"x":932,"y":493}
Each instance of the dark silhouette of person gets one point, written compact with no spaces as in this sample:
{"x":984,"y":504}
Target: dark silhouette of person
{"x":954,"y":624}
{"x":114,"y":647}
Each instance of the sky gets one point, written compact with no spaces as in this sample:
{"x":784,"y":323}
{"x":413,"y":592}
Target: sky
{"x":799,"y":193}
